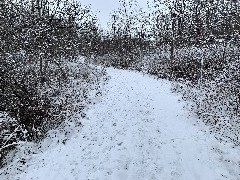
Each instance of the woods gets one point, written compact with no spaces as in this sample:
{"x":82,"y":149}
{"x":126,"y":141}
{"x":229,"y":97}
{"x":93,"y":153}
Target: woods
{"x":193,"y":43}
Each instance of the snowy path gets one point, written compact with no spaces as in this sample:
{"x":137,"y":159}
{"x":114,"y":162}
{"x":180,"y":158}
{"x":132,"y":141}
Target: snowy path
{"x":137,"y":132}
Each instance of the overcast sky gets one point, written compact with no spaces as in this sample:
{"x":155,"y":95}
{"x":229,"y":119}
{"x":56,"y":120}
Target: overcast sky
{"x":103,"y":8}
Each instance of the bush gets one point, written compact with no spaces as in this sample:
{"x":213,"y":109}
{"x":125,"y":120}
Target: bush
{"x":215,"y":99}
{"x":31,"y":108}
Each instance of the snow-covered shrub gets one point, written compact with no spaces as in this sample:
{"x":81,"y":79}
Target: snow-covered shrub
{"x":44,"y":106}
{"x":21,"y":99}
{"x":10,"y":134}
{"x":19,"y":93}
{"x":215,"y":97}
{"x":217,"y":104}
{"x":189,"y":63}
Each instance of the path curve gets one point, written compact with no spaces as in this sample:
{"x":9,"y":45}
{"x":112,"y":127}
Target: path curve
{"x":139,"y":131}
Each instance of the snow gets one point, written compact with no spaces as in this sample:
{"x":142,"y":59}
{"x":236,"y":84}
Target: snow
{"x":138,"y":130}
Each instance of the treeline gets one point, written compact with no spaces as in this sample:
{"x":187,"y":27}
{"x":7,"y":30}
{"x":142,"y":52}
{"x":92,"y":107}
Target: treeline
{"x":127,"y":37}
{"x":55,"y":28}
{"x":188,"y":22}
{"x":167,"y":27}
{"x":170,"y":25}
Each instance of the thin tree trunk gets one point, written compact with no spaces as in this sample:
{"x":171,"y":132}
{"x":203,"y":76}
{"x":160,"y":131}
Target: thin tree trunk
{"x":173,"y":37}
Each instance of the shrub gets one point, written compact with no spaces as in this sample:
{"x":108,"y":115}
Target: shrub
{"x":215,"y":98}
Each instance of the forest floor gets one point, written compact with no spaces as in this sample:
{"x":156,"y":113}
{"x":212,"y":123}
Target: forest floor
{"x":137,"y":130}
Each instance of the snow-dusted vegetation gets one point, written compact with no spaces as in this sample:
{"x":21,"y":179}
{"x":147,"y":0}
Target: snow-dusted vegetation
{"x":43,"y":79}
{"x":56,"y":61}
{"x":214,"y":97}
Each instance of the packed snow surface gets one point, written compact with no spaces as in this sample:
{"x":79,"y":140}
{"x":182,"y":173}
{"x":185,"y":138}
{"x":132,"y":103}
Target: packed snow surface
{"x":137,"y":131}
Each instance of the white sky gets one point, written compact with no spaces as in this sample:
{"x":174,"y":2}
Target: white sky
{"x":103,"y":8}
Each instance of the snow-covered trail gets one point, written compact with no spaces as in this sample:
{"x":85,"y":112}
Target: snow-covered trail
{"x":139,"y":131}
